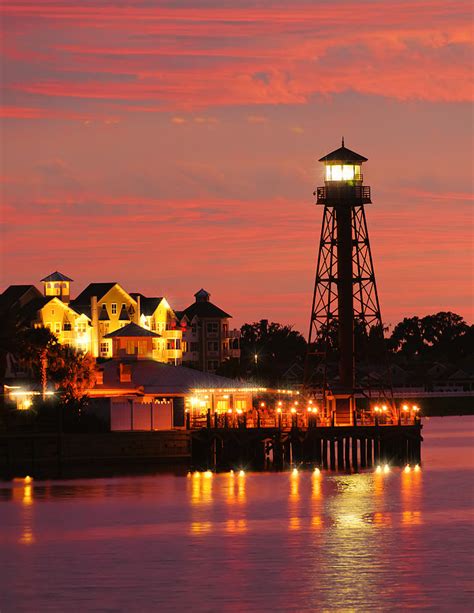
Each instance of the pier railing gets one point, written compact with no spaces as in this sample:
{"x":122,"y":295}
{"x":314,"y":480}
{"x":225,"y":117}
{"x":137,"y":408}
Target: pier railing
{"x":287,"y":421}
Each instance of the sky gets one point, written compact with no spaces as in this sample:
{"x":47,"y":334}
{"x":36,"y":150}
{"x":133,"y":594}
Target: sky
{"x":170,"y":146}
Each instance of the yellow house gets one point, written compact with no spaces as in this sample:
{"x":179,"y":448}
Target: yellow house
{"x":109,"y":307}
{"x":157,"y":316}
{"x":71,"y":328}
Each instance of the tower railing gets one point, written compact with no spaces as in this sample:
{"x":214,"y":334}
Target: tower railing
{"x":340,"y":194}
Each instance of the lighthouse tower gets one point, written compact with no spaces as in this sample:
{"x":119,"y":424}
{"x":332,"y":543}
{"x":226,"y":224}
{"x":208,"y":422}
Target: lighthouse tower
{"x":345,"y":292}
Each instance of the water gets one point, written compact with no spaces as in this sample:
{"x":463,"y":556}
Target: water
{"x":257,"y":542}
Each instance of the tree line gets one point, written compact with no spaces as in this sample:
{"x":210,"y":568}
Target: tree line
{"x":269,"y":349}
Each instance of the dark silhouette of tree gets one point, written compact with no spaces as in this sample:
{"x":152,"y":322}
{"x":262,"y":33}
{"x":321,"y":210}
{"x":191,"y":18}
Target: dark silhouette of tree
{"x":440,"y":336}
{"x":269,"y":349}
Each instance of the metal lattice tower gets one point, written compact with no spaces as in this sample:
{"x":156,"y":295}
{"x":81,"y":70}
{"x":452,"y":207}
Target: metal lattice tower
{"x":345,"y":291}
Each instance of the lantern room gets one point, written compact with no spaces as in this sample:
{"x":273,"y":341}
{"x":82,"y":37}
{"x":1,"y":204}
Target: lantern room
{"x":343,"y":166}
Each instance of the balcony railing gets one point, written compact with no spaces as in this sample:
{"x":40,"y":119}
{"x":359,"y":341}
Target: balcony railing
{"x":343,"y":194}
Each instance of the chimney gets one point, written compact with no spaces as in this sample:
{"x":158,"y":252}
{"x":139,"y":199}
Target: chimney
{"x":95,"y":327}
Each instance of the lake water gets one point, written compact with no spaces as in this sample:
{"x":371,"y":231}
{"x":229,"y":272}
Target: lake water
{"x":252,"y":542}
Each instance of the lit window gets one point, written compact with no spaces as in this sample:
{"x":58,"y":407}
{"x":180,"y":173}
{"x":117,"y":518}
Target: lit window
{"x":342,"y":172}
{"x":104,"y":349}
{"x":113,"y":308}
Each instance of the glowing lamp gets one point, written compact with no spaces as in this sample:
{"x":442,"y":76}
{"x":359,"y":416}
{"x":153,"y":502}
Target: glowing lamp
{"x":293,"y":410}
{"x":262,"y":404}
{"x":278,"y":410}
{"x":405,"y":407}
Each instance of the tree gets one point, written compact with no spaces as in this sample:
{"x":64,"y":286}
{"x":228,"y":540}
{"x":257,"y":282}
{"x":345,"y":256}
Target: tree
{"x":269,"y":349}
{"x":72,"y":372}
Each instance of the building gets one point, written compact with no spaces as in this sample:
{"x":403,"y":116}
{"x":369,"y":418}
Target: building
{"x":199,"y":336}
{"x":109,"y":308}
{"x":157,"y":315}
{"x":208,"y":342}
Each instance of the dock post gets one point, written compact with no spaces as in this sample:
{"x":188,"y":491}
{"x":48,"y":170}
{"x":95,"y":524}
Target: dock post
{"x":216,"y":421}
{"x":347,"y":453}
{"x":363,"y":452}
{"x":376,"y":449}
{"x":340,"y":454}
{"x":325,"y":453}
{"x":355,"y":466}
{"x":332,"y":453}
{"x":188,"y":420}
{"x":369,"y":452}
{"x":208,"y":418}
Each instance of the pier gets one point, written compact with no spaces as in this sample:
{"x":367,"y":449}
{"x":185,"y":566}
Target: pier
{"x":225,"y":444}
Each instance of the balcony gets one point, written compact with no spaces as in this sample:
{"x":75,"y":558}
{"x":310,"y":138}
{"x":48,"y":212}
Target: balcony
{"x":174,"y":333}
{"x":174,"y":355}
{"x":343,"y":194}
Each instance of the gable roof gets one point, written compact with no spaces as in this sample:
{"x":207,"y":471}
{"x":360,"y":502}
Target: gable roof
{"x":15,"y":293}
{"x":132,"y":330}
{"x":205,"y":310}
{"x":104,"y":314}
{"x":56,"y":276}
{"x":124,"y":316}
{"x":29,"y":312}
{"x":147,"y":305}
{"x":93,"y":289}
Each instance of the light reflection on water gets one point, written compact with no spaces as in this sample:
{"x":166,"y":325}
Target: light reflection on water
{"x":289,"y":541}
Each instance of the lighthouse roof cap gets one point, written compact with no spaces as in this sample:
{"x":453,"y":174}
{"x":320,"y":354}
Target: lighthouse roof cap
{"x":343,"y":154}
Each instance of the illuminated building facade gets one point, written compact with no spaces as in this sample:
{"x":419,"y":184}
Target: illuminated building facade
{"x":199,"y":335}
{"x":207,"y":338}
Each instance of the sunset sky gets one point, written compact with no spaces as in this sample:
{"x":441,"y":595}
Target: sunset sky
{"x":171,"y":146}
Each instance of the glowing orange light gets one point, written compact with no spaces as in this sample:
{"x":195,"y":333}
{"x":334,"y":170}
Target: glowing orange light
{"x":262,"y":404}
{"x":405,"y":407}
{"x":278,"y":410}
{"x":407,"y":468}
{"x":293,"y":410}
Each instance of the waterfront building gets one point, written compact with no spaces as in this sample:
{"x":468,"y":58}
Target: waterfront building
{"x":208,"y":342}
{"x":200,"y":334}
{"x":157,"y":315}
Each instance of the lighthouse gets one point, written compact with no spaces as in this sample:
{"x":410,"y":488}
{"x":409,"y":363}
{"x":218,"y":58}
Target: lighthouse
{"x":345,"y":292}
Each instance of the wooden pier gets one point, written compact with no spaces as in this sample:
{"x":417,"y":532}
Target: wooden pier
{"x":341,"y":448}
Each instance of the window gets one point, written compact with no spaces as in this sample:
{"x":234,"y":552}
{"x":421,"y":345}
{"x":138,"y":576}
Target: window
{"x":113,"y":308}
{"x":240,"y":404}
{"x":153,"y":325}
{"x":57,"y":327}
{"x":212,"y":327}
{"x":212,"y":365}
{"x":67,"y":327}
{"x":194,"y":329}
{"x":142,"y":347}
{"x":81,"y":327}
{"x":212,"y":346}
{"x":104,"y":349}
{"x":225,"y":329}
{"x":130,"y":348}
{"x":194,"y":346}
{"x":99,"y":377}
{"x":48,"y":325}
